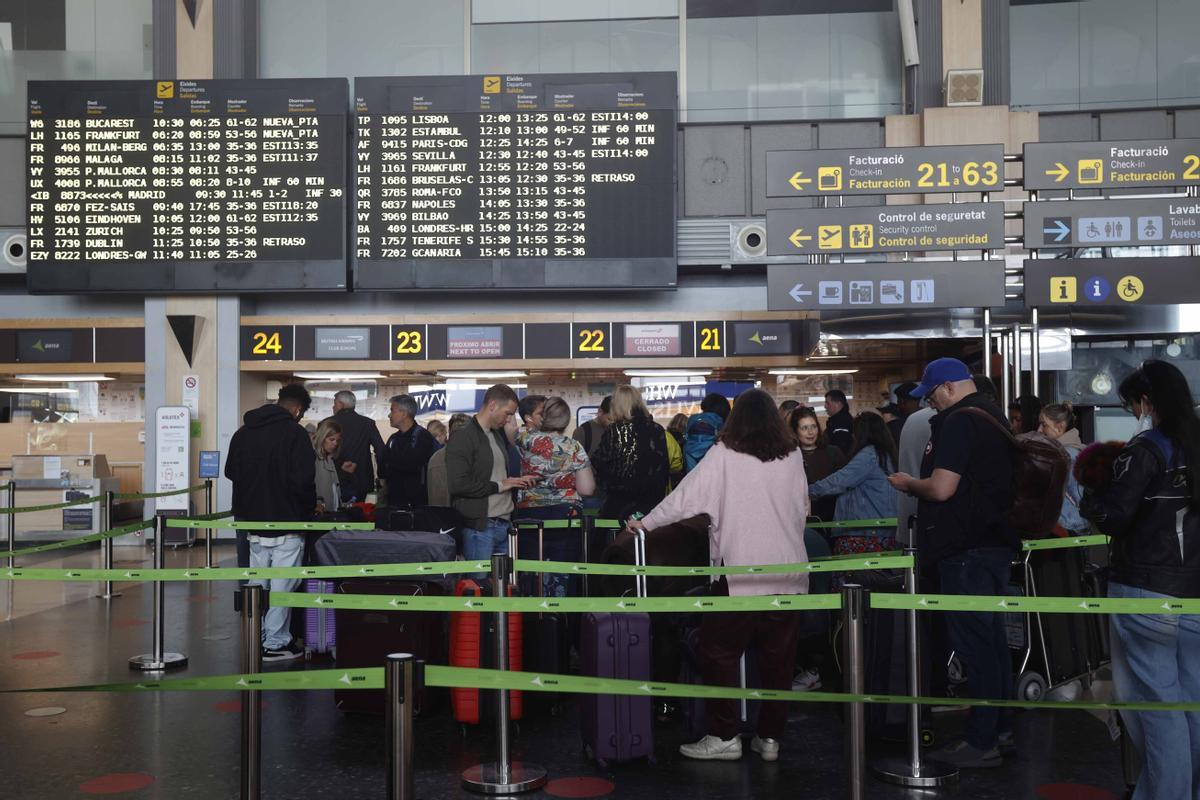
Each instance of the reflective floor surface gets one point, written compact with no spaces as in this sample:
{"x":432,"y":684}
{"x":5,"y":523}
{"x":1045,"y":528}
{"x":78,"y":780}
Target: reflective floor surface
{"x":174,"y":745}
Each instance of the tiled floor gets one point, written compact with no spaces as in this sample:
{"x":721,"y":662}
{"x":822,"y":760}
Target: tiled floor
{"x":188,"y":742}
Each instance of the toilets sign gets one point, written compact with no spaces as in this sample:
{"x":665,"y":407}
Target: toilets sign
{"x":1148,"y":222}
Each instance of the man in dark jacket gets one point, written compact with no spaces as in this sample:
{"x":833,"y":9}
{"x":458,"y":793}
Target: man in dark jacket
{"x":407,"y":455}
{"x":840,"y":424}
{"x":477,"y":472}
{"x":272,"y":467}
{"x":360,"y":435}
{"x":963,"y":498}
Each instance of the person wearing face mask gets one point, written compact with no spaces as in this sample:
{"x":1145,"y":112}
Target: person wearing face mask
{"x":1057,"y":421}
{"x":820,"y":459}
{"x":1151,"y":511}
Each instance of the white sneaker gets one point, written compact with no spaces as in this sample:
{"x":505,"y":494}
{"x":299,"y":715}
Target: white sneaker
{"x":767,"y":748}
{"x":807,"y":681}
{"x":714,"y":748}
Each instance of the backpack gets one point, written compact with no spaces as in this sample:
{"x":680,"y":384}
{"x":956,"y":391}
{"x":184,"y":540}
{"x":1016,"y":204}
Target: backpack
{"x":1040,"y":469}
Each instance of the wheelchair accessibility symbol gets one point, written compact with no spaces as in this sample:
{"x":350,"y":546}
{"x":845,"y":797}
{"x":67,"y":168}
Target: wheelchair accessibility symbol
{"x":1130,"y":288}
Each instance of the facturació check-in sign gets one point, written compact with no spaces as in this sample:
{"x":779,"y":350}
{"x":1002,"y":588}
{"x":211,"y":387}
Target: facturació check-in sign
{"x":885,"y":229}
{"x":885,"y":170}
{"x":1095,"y":165}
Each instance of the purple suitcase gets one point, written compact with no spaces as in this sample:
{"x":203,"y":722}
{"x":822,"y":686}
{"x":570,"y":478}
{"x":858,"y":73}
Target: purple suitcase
{"x":617,"y":728}
{"x":320,"y":632}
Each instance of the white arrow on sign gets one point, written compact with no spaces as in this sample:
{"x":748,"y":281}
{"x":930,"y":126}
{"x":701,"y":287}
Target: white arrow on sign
{"x":798,"y":293}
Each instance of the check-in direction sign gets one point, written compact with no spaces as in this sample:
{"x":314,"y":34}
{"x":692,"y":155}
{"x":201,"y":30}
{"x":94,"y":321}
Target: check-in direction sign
{"x":1121,"y":282}
{"x":1096,"y":165}
{"x":907,"y":285}
{"x":1131,"y":223}
{"x":884,"y":229}
{"x":885,"y":170}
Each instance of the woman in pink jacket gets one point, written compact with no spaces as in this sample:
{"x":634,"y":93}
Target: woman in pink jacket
{"x":752,"y":485}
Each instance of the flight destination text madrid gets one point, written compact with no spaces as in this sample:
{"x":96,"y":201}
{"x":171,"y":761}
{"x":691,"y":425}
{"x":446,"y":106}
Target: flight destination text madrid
{"x":177,"y":171}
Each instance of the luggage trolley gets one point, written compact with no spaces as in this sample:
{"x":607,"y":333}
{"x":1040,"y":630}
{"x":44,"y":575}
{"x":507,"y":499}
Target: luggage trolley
{"x":1052,"y":650}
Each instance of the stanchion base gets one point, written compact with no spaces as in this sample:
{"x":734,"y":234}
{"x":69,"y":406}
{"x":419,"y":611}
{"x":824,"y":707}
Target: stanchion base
{"x":486,"y":779}
{"x":900,"y":771}
{"x":147,"y":663}
{"x":109,"y":596}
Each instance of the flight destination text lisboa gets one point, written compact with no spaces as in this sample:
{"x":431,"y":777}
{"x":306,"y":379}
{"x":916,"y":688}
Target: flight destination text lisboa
{"x":505,"y":169}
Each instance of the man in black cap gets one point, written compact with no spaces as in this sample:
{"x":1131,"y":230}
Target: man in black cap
{"x":906,"y":405}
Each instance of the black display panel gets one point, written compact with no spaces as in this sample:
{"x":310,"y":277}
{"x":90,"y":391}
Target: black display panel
{"x":187,"y":186}
{"x":514,"y":181}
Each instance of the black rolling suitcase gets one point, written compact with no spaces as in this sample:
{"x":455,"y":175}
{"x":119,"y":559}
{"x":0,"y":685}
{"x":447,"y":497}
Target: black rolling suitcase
{"x":547,"y":635}
{"x":365,"y":638}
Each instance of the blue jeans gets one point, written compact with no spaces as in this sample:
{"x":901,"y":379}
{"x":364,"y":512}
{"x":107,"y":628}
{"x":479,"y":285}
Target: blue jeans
{"x":1156,"y":658}
{"x":559,"y":545}
{"x":978,"y":637}
{"x":277,"y":551}
{"x":481,"y":545}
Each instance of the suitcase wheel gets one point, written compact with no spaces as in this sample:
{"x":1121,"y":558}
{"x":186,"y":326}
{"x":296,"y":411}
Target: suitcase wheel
{"x":1031,"y":686}
{"x":927,"y":738}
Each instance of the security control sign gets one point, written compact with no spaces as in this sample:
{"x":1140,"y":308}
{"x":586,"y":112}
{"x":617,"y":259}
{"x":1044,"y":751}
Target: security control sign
{"x":910,"y":285}
{"x":885,"y":229}
{"x":1129,"y":223}
{"x":1094,"y":165}
{"x":1089,"y":282}
{"x":885,"y":170}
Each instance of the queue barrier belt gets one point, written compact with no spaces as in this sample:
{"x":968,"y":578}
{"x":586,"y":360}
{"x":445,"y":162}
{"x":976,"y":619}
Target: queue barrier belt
{"x":87,"y":501}
{"x":133,"y":527}
{"x":152,"y":495}
{"x":197,"y":522}
{"x":1064,"y":543}
{"x":827,"y":565}
{"x":1044,"y":605}
{"x":464,"y":677}
{"x":577,"y":605}
{"x":427,"y":568}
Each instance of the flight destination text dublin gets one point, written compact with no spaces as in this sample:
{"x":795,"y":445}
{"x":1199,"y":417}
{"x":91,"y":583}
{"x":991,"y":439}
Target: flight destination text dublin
{"x":172,"y":171}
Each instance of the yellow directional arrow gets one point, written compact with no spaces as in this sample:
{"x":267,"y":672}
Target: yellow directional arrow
{"x":796,"y":237}
{"x":797,"y":182}
{"x":1059,"y":172}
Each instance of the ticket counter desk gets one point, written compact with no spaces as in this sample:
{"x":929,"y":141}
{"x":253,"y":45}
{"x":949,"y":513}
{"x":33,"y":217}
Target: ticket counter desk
{"x":48,"y":479}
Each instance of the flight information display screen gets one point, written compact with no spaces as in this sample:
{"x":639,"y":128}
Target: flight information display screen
{"x":187,"y":186}
{"x":514,"y":181}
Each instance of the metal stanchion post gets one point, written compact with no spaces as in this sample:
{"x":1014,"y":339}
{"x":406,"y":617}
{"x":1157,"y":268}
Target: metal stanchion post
{"x":12,"y":522}
{"x":158,"y":660}
{"x":402,"y":680}
{"x":106,"y":545}
{"x":853,"y":616}
{"x":251,"y":707}
{"x":502,"y":777}
{"x":208,"y":532}
{"x":911,"y":771}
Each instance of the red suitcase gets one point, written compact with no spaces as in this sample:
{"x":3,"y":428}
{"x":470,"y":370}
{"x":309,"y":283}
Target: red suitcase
{"x":473,"y":644}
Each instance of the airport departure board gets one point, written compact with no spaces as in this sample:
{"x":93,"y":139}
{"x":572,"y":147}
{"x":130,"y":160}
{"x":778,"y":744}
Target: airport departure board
{"x":514,"y":181}
{"x":187,"y":186}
